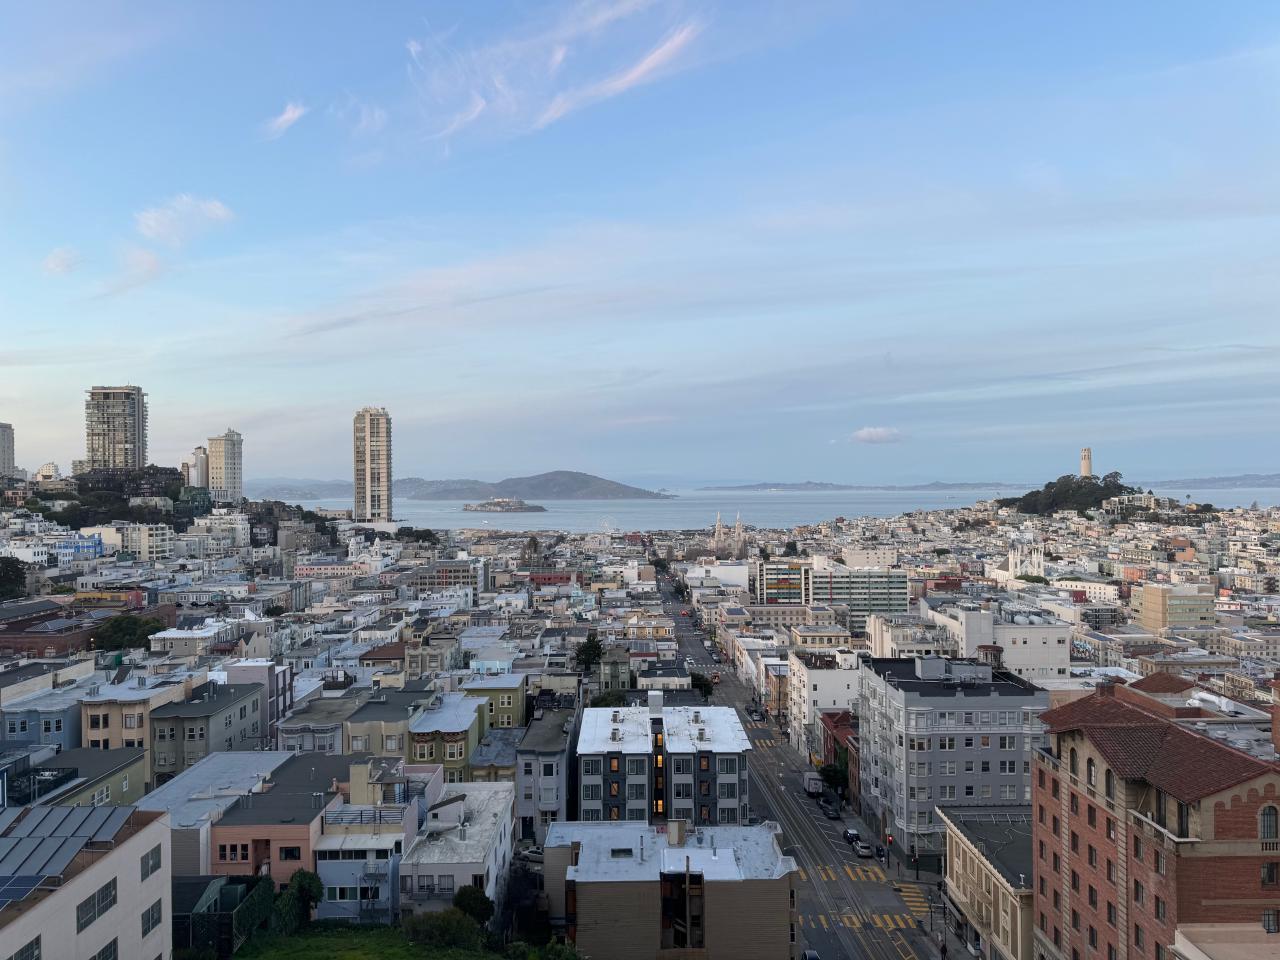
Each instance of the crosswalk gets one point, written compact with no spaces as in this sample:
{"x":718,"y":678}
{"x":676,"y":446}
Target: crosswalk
{"x":832,"y":872}
{"x":765,"y":742}
{"x":914,"y":899}
{"x":851,"y":921}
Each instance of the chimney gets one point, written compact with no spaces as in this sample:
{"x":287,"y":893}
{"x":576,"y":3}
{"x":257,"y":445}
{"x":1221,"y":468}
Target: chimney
{"x":617,"y":717}
{"x":702,"y":733}
{"x":697,"y":716}
{"x":614,"y":735}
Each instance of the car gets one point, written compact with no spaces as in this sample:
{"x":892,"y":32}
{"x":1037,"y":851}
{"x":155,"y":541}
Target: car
{"x":810,"y":955}
{"x":852,"y":837}
{"x":530,"y":855}
{"x":830,"y":811}
{"x":862,"y":849}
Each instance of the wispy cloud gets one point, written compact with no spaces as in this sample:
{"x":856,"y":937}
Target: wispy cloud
{"x":61,"y":261}
{"x":876,"y":435}
{"x":541,"y":72}
{"x":138,"y":266}
{"x":649,"y":67}
{"x":362,"y":119}
{"x":277,"y":125}
{"x":179,"y":219}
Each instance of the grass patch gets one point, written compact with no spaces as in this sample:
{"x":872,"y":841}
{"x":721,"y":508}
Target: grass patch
{"x":334,"y":942}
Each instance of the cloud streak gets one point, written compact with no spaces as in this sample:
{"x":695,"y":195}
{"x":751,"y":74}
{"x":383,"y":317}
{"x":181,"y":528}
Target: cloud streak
{"x":876,"y":435}
{"x":277,"y":126}
{"x":179,"y":219}
{"x":61,"y":261}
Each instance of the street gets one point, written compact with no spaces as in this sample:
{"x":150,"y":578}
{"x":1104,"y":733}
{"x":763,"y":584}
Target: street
{"x":846,"y":906}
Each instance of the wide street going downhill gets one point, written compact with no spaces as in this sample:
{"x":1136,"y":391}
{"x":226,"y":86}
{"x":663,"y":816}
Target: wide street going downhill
{"x":846,"y":906}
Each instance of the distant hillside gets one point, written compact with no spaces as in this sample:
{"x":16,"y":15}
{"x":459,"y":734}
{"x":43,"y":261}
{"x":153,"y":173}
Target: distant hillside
{"x":1070,"y":492}
{"x":818,"y":485}
{"x":1240,"y":481}
{"x":556,"y":485}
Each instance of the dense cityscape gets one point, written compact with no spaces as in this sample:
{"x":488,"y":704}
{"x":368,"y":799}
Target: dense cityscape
{"x":1012,"y":728}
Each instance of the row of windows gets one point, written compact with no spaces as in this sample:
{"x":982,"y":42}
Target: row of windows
{"x":637,"y":766}
{"x":52,"y":725}
{"x":95,"y":905}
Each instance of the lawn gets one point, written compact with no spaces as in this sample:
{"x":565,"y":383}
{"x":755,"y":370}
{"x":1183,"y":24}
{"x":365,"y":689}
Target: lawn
{"x":348,"y":943}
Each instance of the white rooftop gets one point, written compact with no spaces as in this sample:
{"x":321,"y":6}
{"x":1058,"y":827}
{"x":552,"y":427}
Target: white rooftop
{"x":487,"y":808}
{"x":598,"y":726}
{"x":211,"y":785}
{"x":720,"y":728}
{"x":455,"y":714}
{"x":627,"y":852}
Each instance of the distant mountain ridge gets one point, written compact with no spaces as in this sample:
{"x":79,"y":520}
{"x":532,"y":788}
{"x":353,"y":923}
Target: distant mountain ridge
{"x":555,"y":485}
{"x":1239,"y":481}
{"x":819,"y":485}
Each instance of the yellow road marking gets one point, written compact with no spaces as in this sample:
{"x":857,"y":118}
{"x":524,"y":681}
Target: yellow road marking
{"x":823,"y":920}
{"x":804,"y":877}
{"x":849,"y":870}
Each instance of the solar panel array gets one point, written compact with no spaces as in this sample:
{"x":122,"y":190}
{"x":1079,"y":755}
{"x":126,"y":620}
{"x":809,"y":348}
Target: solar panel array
{"x":44,"y":843}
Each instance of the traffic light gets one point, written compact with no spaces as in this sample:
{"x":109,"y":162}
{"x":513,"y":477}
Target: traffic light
{"x":888,"y":840}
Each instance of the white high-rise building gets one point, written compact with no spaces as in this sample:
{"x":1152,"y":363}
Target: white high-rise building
{"x":6,"y":450}
{"x":198,"y":468}
{"x":115,"y":428}
{"x":1086,"y":462}
{"x":371,"y":436}
{"x":226,"y":467}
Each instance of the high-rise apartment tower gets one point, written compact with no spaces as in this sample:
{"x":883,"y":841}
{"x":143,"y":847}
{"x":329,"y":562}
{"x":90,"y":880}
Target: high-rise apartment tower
{"x":371,"y":435}
{"x":226,"y":467}
{"x":115,"y":428}
{"x":6,"y":450}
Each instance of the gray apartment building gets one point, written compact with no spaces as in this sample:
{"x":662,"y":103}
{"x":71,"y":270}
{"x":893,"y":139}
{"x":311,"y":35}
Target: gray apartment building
{"x":544,"y":759}
{"x":659,"y":762}
{"x":937,"y":731}
{"x":219,"y":717}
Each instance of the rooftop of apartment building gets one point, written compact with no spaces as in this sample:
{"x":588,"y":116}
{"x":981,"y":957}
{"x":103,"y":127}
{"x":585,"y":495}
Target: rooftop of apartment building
{"x":212,"y":784}
{"x":390,"y":703}
{"x":1140,"y":739}
{"x":823,"y":659}
{"x":548,"y":731}
{"x":446,"y":713}
{"x":497,"y":748}
{"x":127,"y":687}
{"x":44,"y":847}
{"x":1002,"y":834}
{"x":326,"y":711}
{"x":497,"y":681}
{"x":452,"y":835}
{"x":635,"y":852}
{"x":208,"y":698}
{"x":27,"y":671}
{"x":946,"y":677}
{"x":295,"y":792}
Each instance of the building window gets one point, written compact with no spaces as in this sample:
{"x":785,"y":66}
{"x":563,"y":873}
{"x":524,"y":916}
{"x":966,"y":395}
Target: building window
{"x":1267,"y":824}
{"x":1109,"y":785}
{"x":150,"y":918}
{"x":95,"y":905}
{"x":109,"y":952}
{"x":1160,"y":908}
{"x":290,"y":853}
{"x":590,"y":768}
{"x":1271,"y":921}
{"x":1270,"y":874}
{"x":1090,"y":772}
{"x":150,"y":862}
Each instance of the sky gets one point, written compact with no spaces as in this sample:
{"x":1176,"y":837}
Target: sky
{"x":663,"y":241}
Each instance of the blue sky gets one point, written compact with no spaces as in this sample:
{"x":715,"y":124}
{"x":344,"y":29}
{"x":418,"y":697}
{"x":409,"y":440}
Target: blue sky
{"x":661,"y":241}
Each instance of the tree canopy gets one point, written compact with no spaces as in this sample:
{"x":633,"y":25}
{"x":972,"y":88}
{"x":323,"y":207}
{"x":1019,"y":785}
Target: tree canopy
{"x":702,"y":683}
{"x":13,"y":578}
{"x":588,"y":653}
{"x":125,"y":632}
{"x":1070,"y":492}
{"x":474,"y":903}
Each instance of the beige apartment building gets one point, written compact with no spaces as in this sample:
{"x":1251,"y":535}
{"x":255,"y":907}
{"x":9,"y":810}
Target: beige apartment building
{"x":989,"y":897}
{"x":226,"y":467}
{"x":119,"y":714}
{"x":629,"y":891}
{"x":371,"y":436}
{"x":1163,"y":608}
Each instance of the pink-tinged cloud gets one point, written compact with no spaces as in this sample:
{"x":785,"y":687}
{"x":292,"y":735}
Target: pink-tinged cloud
{"x":876,"y":435}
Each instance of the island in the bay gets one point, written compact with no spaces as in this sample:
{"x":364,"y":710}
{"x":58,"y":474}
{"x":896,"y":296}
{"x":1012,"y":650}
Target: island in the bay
{"x":504,"y":505}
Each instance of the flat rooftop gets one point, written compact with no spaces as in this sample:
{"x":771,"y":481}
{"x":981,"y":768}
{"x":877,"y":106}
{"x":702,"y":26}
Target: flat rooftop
{"x":487,"y":808}
{"x":212,"y":784}
{"x":1002,"y":834}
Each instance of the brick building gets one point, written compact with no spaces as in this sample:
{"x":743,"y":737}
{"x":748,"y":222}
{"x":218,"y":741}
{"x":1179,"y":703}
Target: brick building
{"x":1151,"y":813}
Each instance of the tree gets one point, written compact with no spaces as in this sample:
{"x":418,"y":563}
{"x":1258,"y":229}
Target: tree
{"x":125,"y":632}
{"x":306,"y":886}
{"x":275,"y":610}
{"x":702,"y":683}
{"x":531,"y":552}
{"x":473,"y":902}
{"x":588,"y":653}
{"x":764,"y":554}
{"x":446,"y":928}
{"x":13,"y":578}
{"x":940,"y":551}
{"x":790,"y":549}
{"x":833,"y":776}
{"x":1031,"y":578}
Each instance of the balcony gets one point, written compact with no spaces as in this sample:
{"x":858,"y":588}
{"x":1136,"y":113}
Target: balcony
{"x":358,"y":816}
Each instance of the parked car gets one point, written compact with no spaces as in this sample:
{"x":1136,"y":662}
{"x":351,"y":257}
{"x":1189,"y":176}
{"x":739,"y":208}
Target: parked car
{"x":530,"y":855}
{"x":830,"y":811}
{"x":810,"y":955}
{"x":851,"y":837}
{"x":862,"y":849}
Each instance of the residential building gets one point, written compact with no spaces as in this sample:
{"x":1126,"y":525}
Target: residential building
{"x":1163,"y":608}
{"x":656,"y":762}
{"x":906,"y":636}
{"x":7,"y":466}
{"x":226,"y":467}
{"x":447,"y":731}
{"x":466,"y":839}
{"x":1029,"y":640}
{"x":85,"y":883}
{"x":371,"y":432}
{"x":635,"y":891}
{"x":118,"y":713}
{"x":543,"y":761}
{"x":276,"y":680}
{"x":381,"y":725}
{"x":358,"y":859}
{"x":988,"y":890}
{"x":781,"y":582}
{"x":506,"y":695}
{"x":861,"y":591}
{"x":217,"y":717}
{"x":818,"y":682}
{"x":198,"y":468}
{"x":318,"y":726}
{"x":937,"y":731}
{"x":115,"y":428}
{"x":1151,"y":815}
{"x":82,"y":777}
